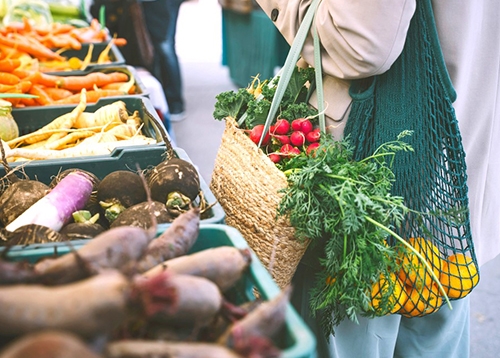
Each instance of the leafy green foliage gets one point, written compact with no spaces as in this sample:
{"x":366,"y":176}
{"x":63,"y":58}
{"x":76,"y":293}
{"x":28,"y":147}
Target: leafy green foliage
{"x":256,"y":107}
{"x":330,"y":198}
{"x":231,"y":104}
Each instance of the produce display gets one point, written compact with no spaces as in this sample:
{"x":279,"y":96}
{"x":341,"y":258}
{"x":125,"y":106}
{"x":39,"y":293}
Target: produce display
{"x":103,"y":254}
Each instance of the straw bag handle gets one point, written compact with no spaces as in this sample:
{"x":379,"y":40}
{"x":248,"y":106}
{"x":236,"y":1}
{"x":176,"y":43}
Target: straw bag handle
{"x":291,"y":61}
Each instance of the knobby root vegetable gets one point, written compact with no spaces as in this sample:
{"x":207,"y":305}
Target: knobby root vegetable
{"x":138,"y":215}
{"x":55,"y":209}
{"x":223,"y":265}
{"x":115,"y":112}
{"x":88,"y":308}
{"x":265,"y":321}
{"x":114,"y":199}
{"x":150,"y":348}
{"x":175,"y":241}
{"x":34,"y":234}
{"x":18,"y":197}
{"x":197,"y":300}
{"x":175,"y":182}
{"x":48,"y":344}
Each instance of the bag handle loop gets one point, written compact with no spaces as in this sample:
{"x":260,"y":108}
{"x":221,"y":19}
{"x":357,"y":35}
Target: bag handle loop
{"x":291,"y":61}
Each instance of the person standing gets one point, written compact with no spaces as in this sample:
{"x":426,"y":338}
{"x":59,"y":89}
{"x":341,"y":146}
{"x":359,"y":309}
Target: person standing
{"x":364,"y":38}
{"x":161,"y":20}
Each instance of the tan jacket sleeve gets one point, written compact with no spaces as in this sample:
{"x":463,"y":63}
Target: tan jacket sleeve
{"x":359,"y":38}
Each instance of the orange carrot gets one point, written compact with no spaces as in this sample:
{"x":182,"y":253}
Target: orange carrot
{"x":28,"y":102}
{"x":99,"y":79}
{"x":92,"y":96}
{"x":7,"y":78}
{"x":58,"y":93}
{"x":43,"y":98}
{"x":119,"y":86}
{"x":32,"y":47}
{"x":8,"y":65}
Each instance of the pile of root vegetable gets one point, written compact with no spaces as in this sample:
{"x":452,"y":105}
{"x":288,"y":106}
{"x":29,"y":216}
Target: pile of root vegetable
{"x":128,"y":294}
{"x":79,"y":133}
{"x":76,"y":204}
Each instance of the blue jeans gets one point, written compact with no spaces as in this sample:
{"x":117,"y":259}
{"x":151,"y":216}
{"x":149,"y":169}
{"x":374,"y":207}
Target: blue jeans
{"x":161,"y":19}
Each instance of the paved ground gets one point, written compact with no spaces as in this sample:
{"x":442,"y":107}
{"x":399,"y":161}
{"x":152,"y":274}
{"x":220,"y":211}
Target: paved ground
{"x":199,"y":47}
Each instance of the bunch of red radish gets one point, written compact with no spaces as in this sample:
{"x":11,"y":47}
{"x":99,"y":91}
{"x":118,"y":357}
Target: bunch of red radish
{"x":286,"y":139}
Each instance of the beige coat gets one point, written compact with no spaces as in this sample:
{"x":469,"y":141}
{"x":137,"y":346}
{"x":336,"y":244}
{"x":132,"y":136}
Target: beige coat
{"x":362,"y":38}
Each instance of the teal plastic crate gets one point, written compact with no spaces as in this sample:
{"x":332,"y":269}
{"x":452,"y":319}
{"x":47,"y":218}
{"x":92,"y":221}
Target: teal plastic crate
{"x":296,"y":340}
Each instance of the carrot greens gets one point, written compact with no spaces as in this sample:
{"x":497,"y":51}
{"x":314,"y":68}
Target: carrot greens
{"x":335,"y":201}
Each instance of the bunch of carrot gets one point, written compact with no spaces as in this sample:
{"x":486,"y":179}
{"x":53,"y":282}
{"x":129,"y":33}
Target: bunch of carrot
{"x":58,"y":35}
{"x":59,"y":90}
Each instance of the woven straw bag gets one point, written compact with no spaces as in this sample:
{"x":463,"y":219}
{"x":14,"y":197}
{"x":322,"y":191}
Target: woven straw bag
{"x":247,"y":183}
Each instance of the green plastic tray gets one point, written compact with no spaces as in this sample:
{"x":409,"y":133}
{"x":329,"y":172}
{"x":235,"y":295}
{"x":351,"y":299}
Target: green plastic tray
{"x":296,"y":339}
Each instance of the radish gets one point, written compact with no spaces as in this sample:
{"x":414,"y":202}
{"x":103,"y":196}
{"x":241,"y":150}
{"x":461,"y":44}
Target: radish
{"x":282,"y":138}
{"x":282,"y":126}
{"x":256,"y":134}
{"x":302,"y":124}
{"x":297,"y":138}
{"x":311,"y":148}
{"x":54,"y":210}
{"x":275,"y":158}
{"x":289,"y":150}
{"x":313,"y":136}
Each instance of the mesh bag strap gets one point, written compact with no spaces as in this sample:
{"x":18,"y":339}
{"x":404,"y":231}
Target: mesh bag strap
{"x":416,"y":94}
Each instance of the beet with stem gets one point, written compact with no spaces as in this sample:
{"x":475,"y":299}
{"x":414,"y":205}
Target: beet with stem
{"x":176,"y":183}
{"x":118,"y":191}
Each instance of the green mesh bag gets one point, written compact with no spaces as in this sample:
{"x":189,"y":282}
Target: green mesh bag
{"x":416,"y":94}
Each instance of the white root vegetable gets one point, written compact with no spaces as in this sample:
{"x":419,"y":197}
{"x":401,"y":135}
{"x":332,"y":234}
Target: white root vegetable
{"x":54,"y":210}
{"x":110,"y":113}
{"x":88,"y":308}
{"x":223,"y":265}
{"x":103,"y":148}
{"x":145,"y":348}
{"x":48,"y":344}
